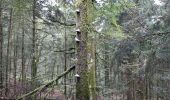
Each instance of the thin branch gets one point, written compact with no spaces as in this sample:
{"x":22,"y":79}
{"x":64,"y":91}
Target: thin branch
{"x":157,"y":34}
{"x":61,"y":23}
{"x":65,"y":50}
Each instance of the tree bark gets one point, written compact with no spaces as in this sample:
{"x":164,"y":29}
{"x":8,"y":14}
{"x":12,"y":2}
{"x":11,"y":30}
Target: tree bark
{"x":8,"y":52}
{"x":65,"y":61}
{"x":15,"y":58}
{"x":23,"y":54}
{"x":34,"y":65}
{"x":92,"y":70}
{"x":82,"y":85}
{"x":1,"y":48}
{"x":106,"y":65}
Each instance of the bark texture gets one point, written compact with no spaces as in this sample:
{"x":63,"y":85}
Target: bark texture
{"x":82,"y":87}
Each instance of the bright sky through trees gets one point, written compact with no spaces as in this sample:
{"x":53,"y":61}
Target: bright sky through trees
{"x":158,"y":2}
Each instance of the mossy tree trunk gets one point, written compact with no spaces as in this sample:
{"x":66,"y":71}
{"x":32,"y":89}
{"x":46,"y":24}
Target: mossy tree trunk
{"x":82,"y":25}
{"x":92,"y":70}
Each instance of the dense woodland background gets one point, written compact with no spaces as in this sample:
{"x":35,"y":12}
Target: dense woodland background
{"x":85,"y":49}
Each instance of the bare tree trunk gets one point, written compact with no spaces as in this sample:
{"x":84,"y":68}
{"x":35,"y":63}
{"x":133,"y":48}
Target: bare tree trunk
{"x":8,"y":52}
{"x":23,"y":54}
{"x":65,"y":61}
{"x":106,"y":65}
{"x":53,"y":70}
{"x":11,"y":46}
{"x":1,"y":48}
{"x":15,"y":58}
{"x":34,"y":66}
{"x":129,"y":85}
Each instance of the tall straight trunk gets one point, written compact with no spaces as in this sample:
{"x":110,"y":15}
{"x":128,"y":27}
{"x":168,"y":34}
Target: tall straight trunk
{"x":128,"y":75}
{"x":106,"y":65}
{"x":65,"y":61}
{"x":8,"y":52}
{"x":16,"y":36}
{"x":11,"y":46}
{"x":82,"y":85}
{"x":92,"y":71}
{"x":34,"y":65}
{"x":1,"y":48}
{"x":23,"y":54}
{"x":53,"y":70}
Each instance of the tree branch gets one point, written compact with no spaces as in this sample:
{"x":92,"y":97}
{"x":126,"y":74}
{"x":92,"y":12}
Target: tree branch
{"x":156,"y":34}
{"x":46,"y":85}
{"x":61,"y":23}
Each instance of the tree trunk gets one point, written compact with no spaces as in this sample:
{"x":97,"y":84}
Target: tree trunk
{"x":8,"y":52}
{"x":23,"y":54}
{"x":129,"y":85}
{"x":106,"y":65}
{"x":15,"y":58}
{"x":82,"y":85}
{"x":65,"y":61}
{"x":1,"y":48}
{"x":33,"y":66}
{"x":92,"y":71}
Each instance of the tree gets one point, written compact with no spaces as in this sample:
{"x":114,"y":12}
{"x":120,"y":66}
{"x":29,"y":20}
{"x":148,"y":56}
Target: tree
{"x":1,"y":48}
{"x":8,"y":60}
{"x":15,"y":61}
{"x":23,"y":53}
{"x":34,"y":38}
{"x":82,"y":25}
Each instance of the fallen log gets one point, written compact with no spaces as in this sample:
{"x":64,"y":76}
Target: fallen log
{"x":46,"y":85}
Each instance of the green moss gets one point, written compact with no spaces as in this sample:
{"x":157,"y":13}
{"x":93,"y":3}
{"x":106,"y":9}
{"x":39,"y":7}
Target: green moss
{"x":82,"y":87}
{"x":92,"y":82}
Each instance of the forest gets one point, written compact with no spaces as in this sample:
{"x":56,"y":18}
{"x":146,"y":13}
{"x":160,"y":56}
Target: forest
{"x":84,"y":49}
